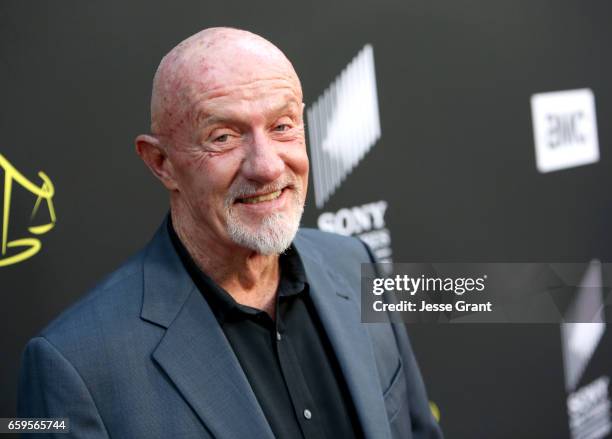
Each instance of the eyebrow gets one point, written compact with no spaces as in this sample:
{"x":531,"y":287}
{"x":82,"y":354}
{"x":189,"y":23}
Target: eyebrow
{"x":207,"y":120}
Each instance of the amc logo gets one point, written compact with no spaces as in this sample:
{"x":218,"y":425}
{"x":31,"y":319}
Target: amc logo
{"x":564,"y":129}
{"x":17,"y":250}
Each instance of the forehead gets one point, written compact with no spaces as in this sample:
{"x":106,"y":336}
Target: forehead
{"x":198,"y":79}
{"x":258,"y":98}
{"x":256,"y":101}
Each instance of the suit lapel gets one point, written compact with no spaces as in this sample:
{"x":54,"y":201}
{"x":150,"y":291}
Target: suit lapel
{"x":194,"y":351}
{"x":340,"y":315}
{"x":197,"y":357}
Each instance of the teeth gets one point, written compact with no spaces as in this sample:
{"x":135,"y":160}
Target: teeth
{"x":261,"y":198}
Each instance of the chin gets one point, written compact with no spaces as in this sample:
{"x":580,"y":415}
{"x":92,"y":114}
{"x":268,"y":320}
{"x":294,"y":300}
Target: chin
{"x":272,"y":236}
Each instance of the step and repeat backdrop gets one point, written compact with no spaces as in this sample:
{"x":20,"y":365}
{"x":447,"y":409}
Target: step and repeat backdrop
{"x":453,"y":131}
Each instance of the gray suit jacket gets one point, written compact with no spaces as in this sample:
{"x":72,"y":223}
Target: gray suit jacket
{"x":142,"y":355}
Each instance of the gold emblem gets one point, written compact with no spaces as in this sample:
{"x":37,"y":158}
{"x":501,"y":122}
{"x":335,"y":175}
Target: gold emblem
{"x":27,"y":246}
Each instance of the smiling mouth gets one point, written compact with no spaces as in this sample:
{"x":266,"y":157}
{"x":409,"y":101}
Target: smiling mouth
{"x":261,"y":198}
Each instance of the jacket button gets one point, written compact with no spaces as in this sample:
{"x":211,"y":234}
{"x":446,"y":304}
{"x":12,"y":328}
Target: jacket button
{"x":307,"y":414}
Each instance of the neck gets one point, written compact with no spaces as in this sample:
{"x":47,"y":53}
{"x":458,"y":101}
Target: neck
{"x":249,"y":277}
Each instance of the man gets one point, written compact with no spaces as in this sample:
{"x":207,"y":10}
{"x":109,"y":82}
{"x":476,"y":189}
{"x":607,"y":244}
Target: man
{"x":228,"y":324}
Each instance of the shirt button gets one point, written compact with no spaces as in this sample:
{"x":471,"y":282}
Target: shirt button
{"x":307,"y":414}
{"x":279,"y":337}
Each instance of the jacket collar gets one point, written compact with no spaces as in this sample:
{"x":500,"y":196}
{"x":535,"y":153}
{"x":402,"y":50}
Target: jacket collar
{"x":340,"y":314}
{"x":199,"y":360}
{"x":194,"y":352}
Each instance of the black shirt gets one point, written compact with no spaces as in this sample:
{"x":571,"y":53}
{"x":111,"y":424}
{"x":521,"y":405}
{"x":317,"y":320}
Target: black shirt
{"x":289,"y":362}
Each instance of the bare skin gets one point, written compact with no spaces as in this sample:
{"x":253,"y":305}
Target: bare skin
{"x":227,"y":126}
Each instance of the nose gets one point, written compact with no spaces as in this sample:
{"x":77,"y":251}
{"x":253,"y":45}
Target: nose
{"x":262,"y":162}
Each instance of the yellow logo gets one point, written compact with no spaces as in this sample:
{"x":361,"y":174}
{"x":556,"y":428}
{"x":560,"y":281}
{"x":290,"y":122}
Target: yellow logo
{"x":435,"y":410}
{"x":28,"y":247}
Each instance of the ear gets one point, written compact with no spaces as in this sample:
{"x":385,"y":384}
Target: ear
{"x":154,"y":154}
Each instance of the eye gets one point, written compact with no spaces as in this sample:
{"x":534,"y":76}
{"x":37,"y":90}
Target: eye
{"x":282,"y":127}
{"x":222,"y":138}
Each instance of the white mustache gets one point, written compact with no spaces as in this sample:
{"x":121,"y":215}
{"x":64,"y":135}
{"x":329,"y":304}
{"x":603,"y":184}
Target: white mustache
{"x":244,"y":189}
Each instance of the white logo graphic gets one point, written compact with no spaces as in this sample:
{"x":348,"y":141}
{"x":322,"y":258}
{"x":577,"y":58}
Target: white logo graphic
{"x":588,"y":408}
{"x":564,"y":129}
{"x":343,"y":124}
{"x":366,"y":221}
{"x":580,"y":340}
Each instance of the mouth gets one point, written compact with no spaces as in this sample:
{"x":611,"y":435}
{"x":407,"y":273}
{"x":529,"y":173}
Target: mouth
{"x":261,"y":198}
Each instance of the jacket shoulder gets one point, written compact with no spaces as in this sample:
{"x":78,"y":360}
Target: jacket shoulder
{"x":116,"y":297}
{"x":333,"y":244}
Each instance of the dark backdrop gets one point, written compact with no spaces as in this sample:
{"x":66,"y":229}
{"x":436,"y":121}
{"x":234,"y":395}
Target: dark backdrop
{"x":455,"y":161}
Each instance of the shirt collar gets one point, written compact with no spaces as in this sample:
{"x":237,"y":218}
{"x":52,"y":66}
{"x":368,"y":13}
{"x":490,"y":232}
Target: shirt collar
{"x":292,"y":280}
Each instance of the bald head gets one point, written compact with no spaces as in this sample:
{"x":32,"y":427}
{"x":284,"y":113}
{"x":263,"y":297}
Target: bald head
{"x":210,"y":61}
{"x":228,"y":143}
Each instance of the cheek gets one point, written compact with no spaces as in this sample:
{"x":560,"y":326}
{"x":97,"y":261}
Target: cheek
{"x":302,"y":166}
{"x":196,"y":180}
{"x":214,"y":176}
{"x":297,"y":160}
